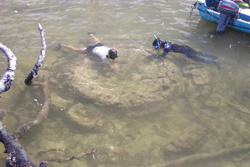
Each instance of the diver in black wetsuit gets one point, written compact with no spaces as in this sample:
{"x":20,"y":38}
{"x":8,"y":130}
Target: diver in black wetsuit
{"x":186,"y":50}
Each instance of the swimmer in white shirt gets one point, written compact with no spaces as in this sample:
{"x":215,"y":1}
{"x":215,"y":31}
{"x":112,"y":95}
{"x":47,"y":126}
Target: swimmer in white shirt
{"x":99,"y":49}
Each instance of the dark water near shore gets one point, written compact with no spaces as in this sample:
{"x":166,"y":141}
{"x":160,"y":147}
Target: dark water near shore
{"x":124,"y":141}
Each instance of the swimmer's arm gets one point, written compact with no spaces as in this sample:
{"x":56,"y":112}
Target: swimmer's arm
{"x":114,"y":67}
{"x":111,"y":65}
{"x":165,"y":52}
{"x":151,"y":52}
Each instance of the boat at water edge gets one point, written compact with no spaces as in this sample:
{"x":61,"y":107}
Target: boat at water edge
{"x":226,"y":13}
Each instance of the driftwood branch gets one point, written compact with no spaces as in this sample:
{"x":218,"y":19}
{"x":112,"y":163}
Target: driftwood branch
{"x":206,"y":156}
{"x":38,"y":64}
{"x":42,"y":115}
{"x":9,"y":74}
{"x":16,"y":153}
{"x":72,"y":158}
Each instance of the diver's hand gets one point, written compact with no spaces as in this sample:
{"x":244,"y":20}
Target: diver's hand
{"x":115,"y":68}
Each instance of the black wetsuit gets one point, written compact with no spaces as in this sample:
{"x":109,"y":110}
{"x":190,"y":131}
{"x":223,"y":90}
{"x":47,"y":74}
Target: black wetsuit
{"x":186,"y":50}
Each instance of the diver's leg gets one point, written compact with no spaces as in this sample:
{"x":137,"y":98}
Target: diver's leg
{"x":73,"y":48}
{"x":205,"y":60}
{"x":192,"y":54}
{"x":95,"y":38}
{"x":206,"y":54}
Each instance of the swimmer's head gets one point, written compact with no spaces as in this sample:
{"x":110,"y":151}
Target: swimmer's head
{"x":157,"y":43}
{"x":112,"y":53}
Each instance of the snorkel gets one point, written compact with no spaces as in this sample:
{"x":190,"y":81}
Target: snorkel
{"x":158,"y":43}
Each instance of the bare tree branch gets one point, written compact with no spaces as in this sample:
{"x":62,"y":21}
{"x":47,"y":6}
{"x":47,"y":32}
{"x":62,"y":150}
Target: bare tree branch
{"x":9,"y":74}
{"x":205,"y":156}
{"x":16,"y":153}
{"x":38,"y":64}
{"x":72,"y":158}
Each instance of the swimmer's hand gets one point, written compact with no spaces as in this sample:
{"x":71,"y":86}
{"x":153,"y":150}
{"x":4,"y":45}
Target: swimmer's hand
{"x":115,"y":68}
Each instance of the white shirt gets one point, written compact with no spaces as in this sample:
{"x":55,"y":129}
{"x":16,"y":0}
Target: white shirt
{"x":101,"y":51}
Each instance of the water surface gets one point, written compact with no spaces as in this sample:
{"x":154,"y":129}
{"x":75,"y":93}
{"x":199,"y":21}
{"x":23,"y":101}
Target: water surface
{"x":221,"y":107}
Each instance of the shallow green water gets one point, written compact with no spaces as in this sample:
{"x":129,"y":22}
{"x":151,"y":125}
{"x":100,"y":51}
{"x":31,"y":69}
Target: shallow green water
{"x":221,"y":107}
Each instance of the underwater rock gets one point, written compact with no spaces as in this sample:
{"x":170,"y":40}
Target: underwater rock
{"x":145,"y":82}
{"x":59,"y":102}
{"x":88,"y":118}
{"x":199,"y":75}
{"x":197,"y":82}
{"x":190,"y":140}
{"x":231,"y":138}
{"x":112,"y":156}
